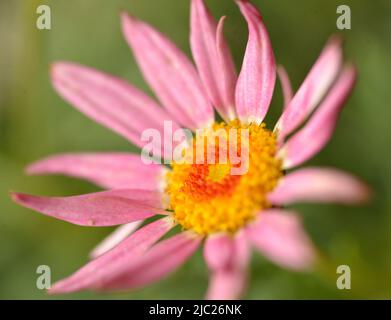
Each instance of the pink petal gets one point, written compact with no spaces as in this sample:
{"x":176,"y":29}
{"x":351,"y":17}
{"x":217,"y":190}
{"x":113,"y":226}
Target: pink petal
{"x":213,"y":59}
{"x":108,"y":170}
{"x":226,"y":284}
{"x":169,"y":73}
{"x":162,"y":259}
{"x":125,"y":253}
{"x":287,"y":90}
{"x":227,"y":72}
{"x":116,"y":237}
{"x":111,"y":102}
{"x":279,"y":236}
{"x":317,"y":132}
{"x":257,"y":78}
{"x":222,"y":251}
{"x":227,"y":258}
{"x":319,"y":185}
{"x":218,"y":251}
{"x":314,"y":87}
{"x":105,"y":208}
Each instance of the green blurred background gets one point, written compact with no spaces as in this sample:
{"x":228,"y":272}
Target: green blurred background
{"x":35,"y":122}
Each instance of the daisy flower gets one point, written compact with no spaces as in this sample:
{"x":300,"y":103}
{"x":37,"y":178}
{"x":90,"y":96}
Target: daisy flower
{"x":226,"y":214}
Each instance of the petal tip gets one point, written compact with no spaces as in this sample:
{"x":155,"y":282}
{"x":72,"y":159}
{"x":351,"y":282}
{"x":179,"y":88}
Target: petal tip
{"x":32,"y":169}
{"x":61,"y":69}
{"x":221,"y":22}
{"x":17,"y":197}
{"x":51,"y":292}
{"x":336,"y":40}
{"x":57,"y":288}
{"x":124,"y":15}
{"x":127,"y":19}
{"x":365,"y":194}
{"x":53,"y":67}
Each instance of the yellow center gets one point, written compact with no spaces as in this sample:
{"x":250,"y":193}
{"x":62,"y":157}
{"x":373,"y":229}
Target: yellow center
{"x":210,"y":197}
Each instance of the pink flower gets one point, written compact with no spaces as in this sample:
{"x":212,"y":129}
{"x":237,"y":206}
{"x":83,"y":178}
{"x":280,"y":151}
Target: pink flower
{"x":228,"y":214}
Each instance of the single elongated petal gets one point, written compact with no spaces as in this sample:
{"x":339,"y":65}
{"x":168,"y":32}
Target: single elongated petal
{"x":314,"y":87}
{"x":218,"y":251}
{"x":116,"y":237}
{"x":280,"y":237}
{"x":155,"y":264}
{"x":257,"y":77}
{"x":222,"y":251}
{"x":227,"y":258}
{"x":317,"y":132}
{"x":108,"y":264}
{"x":287,"y":90}
{"x":319,"y":185}
{"x":228,"y":73}
{"x":111,"y":102}
{"x":169,"y":73}
{"x":108,"y":170}
{"x":107,"y":208}
{"x":213,"y":59}
{"x":226,"y":284}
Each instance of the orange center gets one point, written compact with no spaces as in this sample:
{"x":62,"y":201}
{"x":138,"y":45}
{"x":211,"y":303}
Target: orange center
{"x":209,"y":196}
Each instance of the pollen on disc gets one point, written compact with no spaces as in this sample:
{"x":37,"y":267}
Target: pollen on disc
{"x":210,"y":196}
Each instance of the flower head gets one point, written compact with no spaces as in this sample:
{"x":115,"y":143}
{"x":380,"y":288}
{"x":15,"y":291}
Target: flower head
{"x":226,"y":211}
